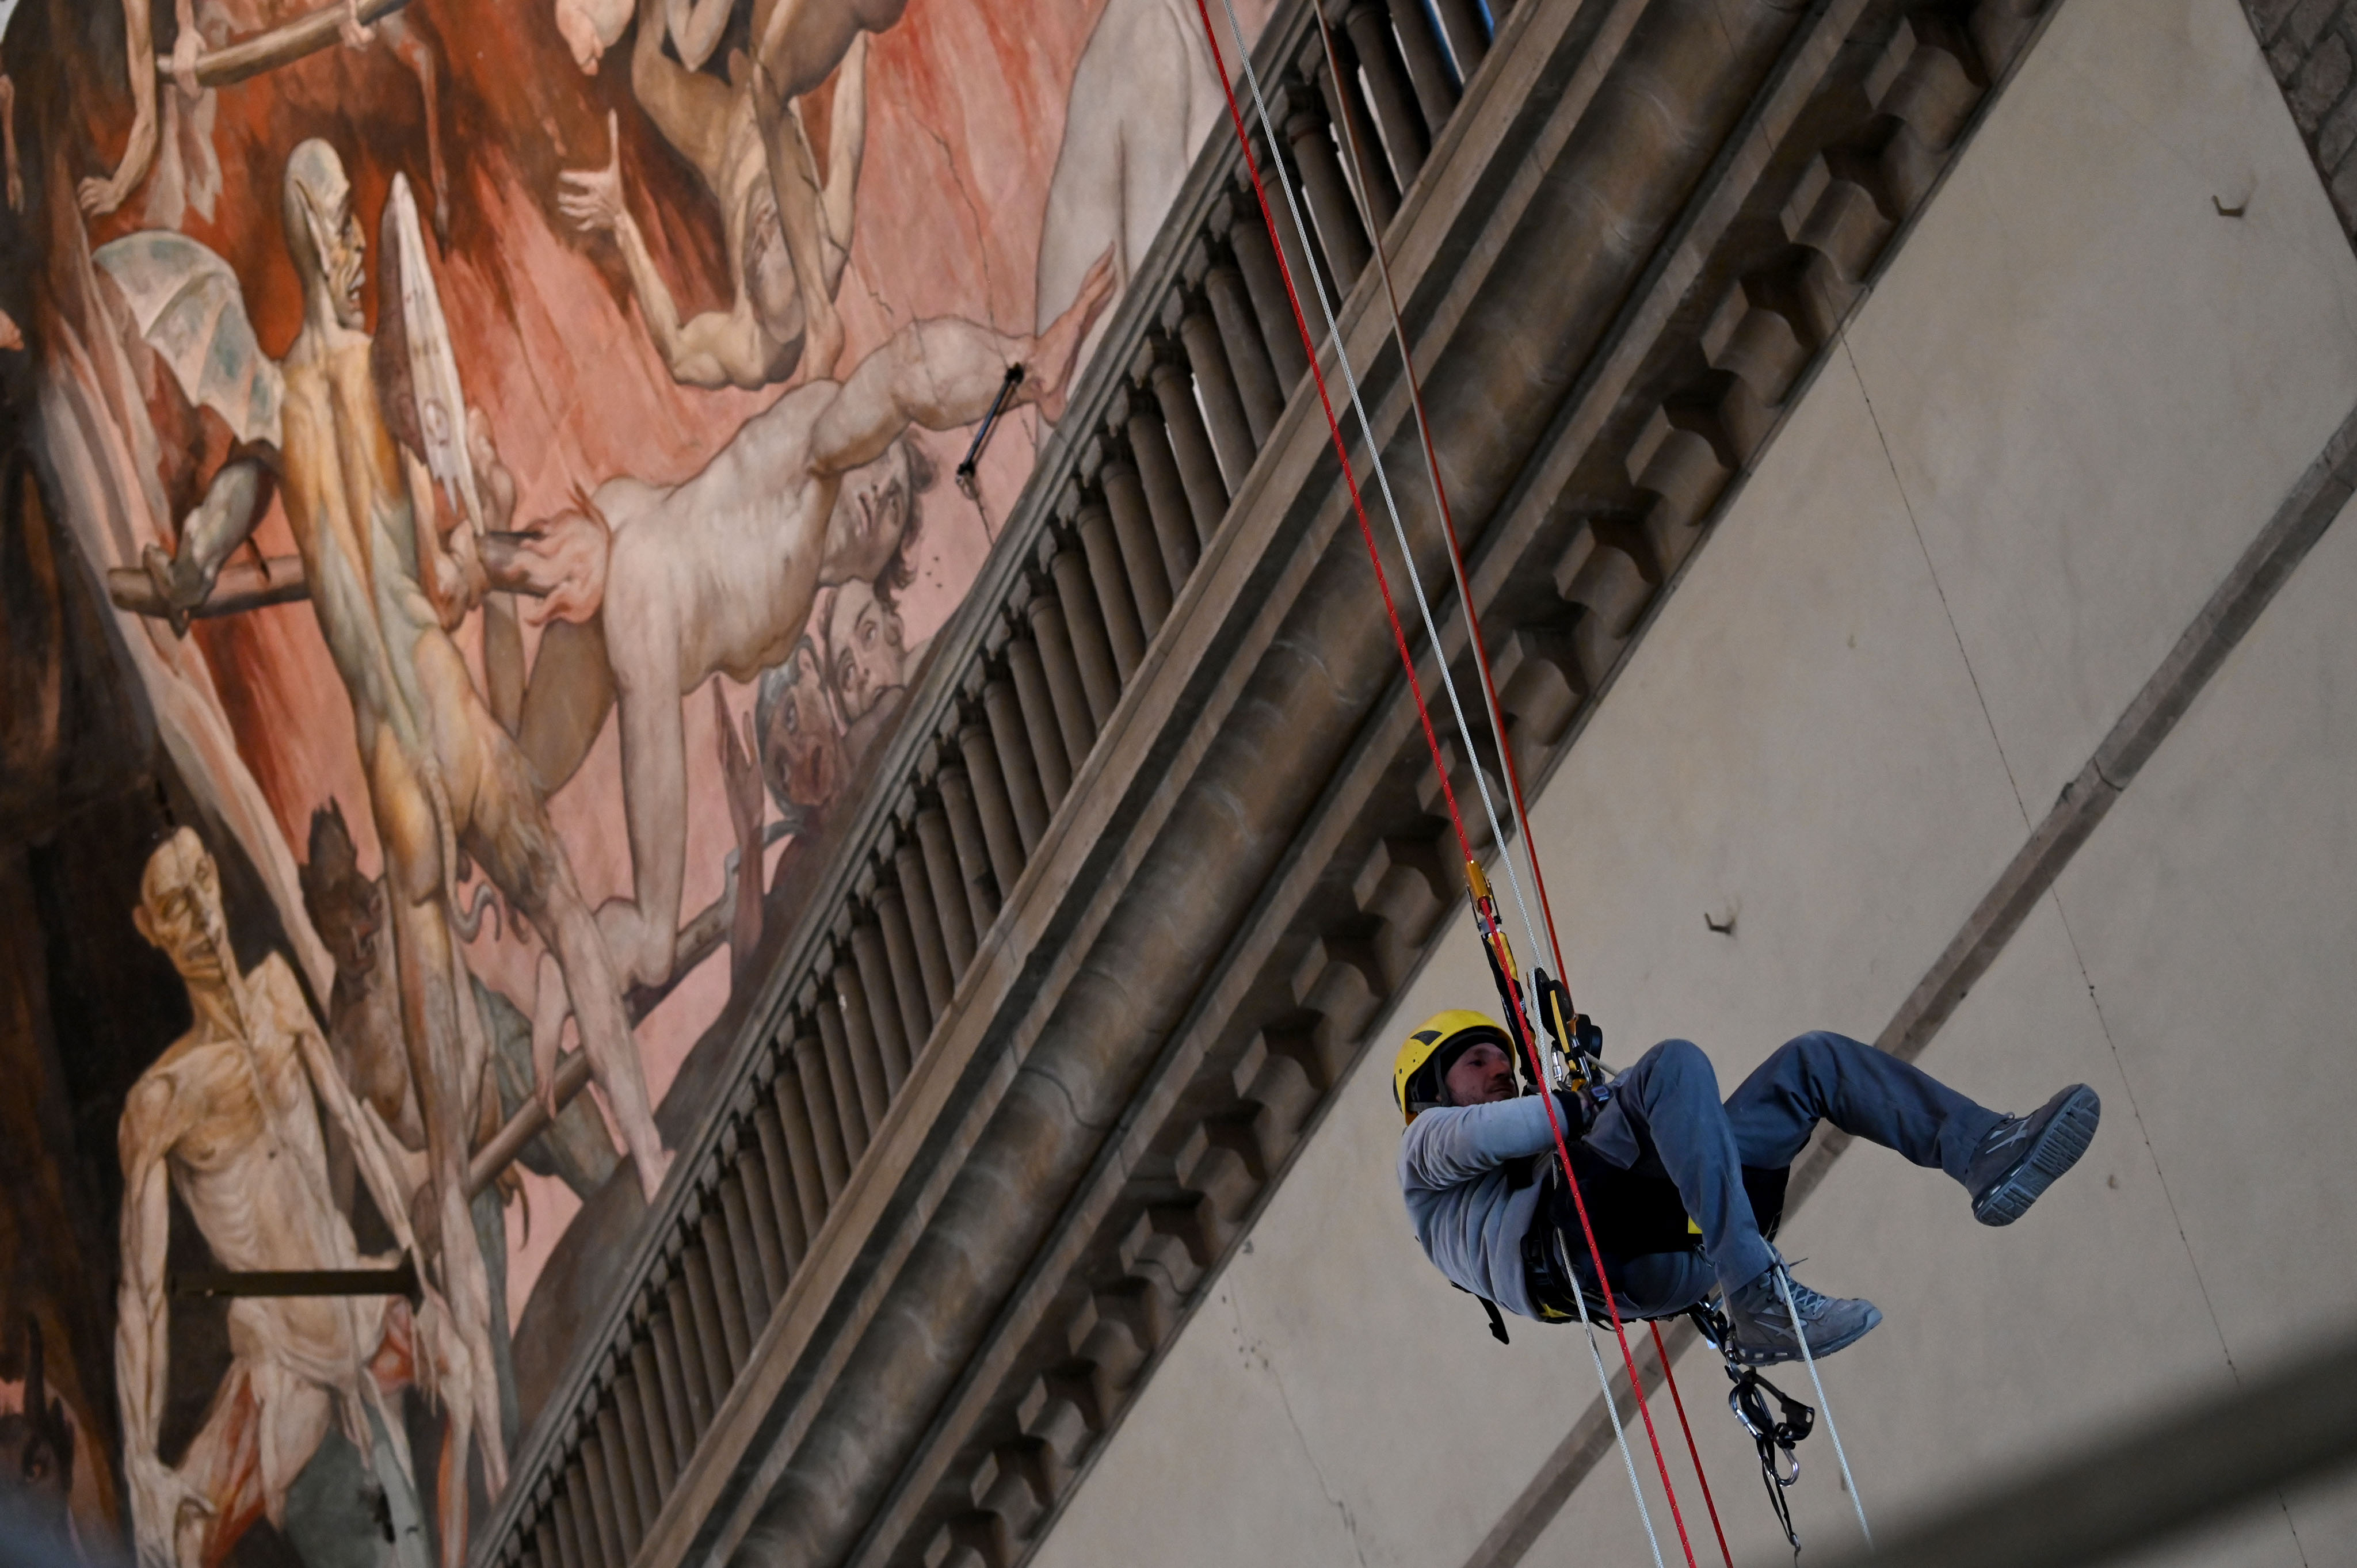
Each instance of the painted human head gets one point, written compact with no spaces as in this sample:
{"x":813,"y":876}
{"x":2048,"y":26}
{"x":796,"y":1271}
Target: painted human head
{"x":323,"y":234}
{"x":180,"y":909}
{"x":794,"y":726}
{"x":867,"y":654}
{"x":871,"y":532}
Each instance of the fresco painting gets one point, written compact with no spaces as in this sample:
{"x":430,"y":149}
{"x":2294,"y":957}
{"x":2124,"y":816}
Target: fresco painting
{"x":472,"y":484}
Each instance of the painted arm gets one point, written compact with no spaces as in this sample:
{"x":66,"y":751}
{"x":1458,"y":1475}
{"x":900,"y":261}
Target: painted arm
{"x":942,"y":374}
{"x":152,"y":1121}
{"x":363,"y":1129}
{"x":224,"y":519}
{"x":101,"y":196}
{"x":711,"y":350}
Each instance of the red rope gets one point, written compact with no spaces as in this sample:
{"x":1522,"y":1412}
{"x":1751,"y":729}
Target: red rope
{"x":1670,"y":1377}
{"x":1399,"y":639}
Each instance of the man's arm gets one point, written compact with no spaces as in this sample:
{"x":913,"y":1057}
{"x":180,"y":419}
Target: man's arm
{"x":942,"y":374}
{"x":1454,"y":1144}
{"x":224,"y":519}
{"x":101,"y":196}
{"x":711,"y":350}
{"x":371,"y":1141}
{"x":152,"y":1120}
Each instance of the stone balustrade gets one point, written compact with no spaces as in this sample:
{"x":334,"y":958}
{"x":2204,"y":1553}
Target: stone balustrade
{"x":1172,"y":437}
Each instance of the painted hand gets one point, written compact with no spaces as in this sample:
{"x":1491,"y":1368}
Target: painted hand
{"x":1048,"y":368}
{"x":592,"y":198}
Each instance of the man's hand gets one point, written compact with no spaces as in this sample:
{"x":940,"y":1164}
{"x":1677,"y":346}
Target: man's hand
{"x":159,"y":1496}
{"x":185,"y":50}
{"x":1048,"y":369}
{"x":179,"y":582}
{"x":356,"y":34}
{"x":592,"y":198}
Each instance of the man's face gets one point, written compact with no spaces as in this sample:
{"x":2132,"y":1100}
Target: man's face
{"x":801,"y":755}
{"x":336,"y":235}
{"x":873,"y":508}
{"x":865,"y":645}
{"x":1482,"y":1076}
{"x":180,"y":907}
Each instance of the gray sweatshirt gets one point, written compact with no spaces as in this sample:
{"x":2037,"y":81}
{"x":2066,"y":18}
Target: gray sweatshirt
{"x":1468,"y":1215}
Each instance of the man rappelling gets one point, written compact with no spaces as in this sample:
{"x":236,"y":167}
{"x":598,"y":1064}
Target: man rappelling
{"x":1683,"y":1191}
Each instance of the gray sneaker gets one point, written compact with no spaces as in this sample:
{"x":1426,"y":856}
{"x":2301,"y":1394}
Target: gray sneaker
{"x":2021,"y":1155}
{"x":1763,"y":1326}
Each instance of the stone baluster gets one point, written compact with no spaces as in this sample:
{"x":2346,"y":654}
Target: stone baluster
{"x":753,"y":1232}
{"x":1027,"y":672}
{"x":704,"y":1310}
{"x":1136,"y":531}
{"x":555,"y":1551}
{"x":956,"y":900}
{"x":1379,"y":194}
{"x":587,"y":1542}
{"x":647,"y":1380}
{"x":778,"y":1225}
{"x":850,"y":1099}
{"x":823,"y":1102}
{"x":1427,"y":63}
{"x":637,"y":1453}
{"x":900,"y":959}
{"x":925,"y":916}
{"x":858,"y":1019}
{"x":1238,"y":216}
{"x":688,"y":1335}
{"x":807,"y":1199}
{"x":605,"y":1509}
{"x":1467,"y":39}
{"x":1388,"y":91}
{"x":607,"y":1435}
{"x":1188,"y":316}
{"x":719,"y":1255}
{"x":1012,"y":747}
{"x":1065,"y":720}
{"x":880,"y":982}
{"x":1084,"y":631}
{"x":1166,"y":372}
{"x":992,"y":803}
{"x":671,"y":1375}
{"x":1296,"y":242}
{"x":1155,"y":471}
{"x":1343,"y":239}
{"x":1262,"y":401}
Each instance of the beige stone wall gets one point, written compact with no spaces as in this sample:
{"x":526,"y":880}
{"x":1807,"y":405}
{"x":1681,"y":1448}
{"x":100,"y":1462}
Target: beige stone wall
{"x":2069,"y":405}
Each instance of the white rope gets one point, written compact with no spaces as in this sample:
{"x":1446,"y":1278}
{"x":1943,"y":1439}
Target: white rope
{"x":1849,"y":1482}
{"x":1391,"y":507}
{"x":1464,"y":730}
{"x":1440,"y":508}
{"x":1619,"y":1434}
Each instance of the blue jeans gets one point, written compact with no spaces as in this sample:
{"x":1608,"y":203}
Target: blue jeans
{"x":1665,"y":1119}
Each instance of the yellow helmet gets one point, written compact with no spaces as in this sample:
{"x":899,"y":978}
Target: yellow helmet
{"x":1437,"y":1042}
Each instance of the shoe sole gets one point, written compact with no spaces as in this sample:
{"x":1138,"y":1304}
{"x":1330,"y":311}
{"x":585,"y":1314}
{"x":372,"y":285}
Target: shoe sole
{"x":1778,"y":1358}
{"x":2055,"y":1150}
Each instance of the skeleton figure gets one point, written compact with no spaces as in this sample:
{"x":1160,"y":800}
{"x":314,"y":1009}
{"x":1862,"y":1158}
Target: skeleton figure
{"x":390,"y":575}
{"x":717,"y":576}
{"x":225,"y":1117}
{"x":789,"y":238}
